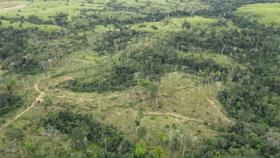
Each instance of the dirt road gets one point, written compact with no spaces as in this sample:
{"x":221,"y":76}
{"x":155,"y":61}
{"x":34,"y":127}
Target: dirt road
{"x":223,"y":117}
{"x":37,"y":100}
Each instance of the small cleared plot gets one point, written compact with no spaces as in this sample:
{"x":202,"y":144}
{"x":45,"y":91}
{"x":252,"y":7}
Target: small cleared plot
{"x":155,"y":125}
{"x":265,"y":13}
{"x":103,"y":29}
{"x":219,"y":59}
{"x":186,"y":95}
{"x":174,"y":24}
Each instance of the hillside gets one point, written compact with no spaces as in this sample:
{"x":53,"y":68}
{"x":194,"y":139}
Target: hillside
{"x":139,"y":78}
{"x":265,"y":13}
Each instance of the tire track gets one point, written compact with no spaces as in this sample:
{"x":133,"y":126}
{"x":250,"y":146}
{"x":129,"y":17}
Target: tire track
{"x":224,"y":118}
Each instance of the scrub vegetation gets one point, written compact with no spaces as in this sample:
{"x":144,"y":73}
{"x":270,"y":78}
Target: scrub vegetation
{"x":139,"y":78}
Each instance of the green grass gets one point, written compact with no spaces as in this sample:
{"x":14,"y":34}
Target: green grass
{"x":188,"y":96}
{"x":103,"y":29}
{"x":184,"y":92}
{"x":173,"y":24}
{"x":219,"y":59}
{"x":47,"y":9}
{"x":9,"y":4}
{"x":165,"y":5}
{"x":265,"y":13}
{"x":181,"y":93}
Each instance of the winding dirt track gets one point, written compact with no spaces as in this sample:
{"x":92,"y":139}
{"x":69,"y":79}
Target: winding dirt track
{"x":37,"y":100}
{"x":224,"y":118}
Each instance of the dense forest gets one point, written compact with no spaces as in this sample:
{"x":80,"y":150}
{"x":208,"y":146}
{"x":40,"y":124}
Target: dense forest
{"x":139,"y":79}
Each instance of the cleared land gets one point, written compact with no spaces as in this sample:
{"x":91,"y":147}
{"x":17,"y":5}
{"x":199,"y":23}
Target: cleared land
{"x":265,"y":13}
{"x":174,"y":24}
{"x":184,"y":107}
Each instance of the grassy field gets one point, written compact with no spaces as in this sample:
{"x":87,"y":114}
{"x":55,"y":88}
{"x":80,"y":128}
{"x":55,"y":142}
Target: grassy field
{"x":180,"y":94}
{"x":44,"y":10}
{"x":165,"y":6}
{"x":265,"y":13}
{"x":173,"y":24}
{"x":138,"y":78}
{"x":47,"y":9}
{"x":185,"y":107}
{"x":11,"y":4}
{"x":219,"y":59}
